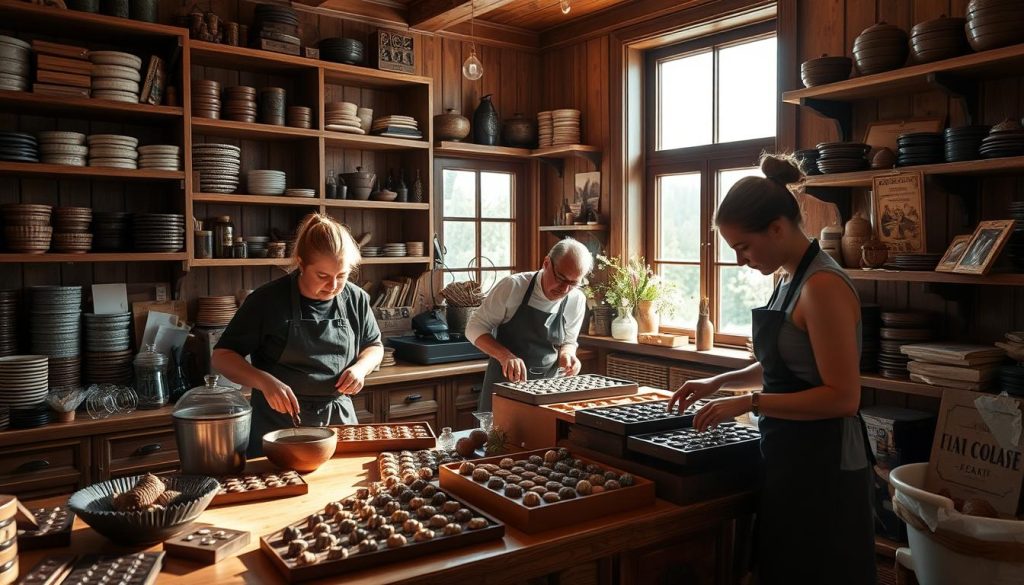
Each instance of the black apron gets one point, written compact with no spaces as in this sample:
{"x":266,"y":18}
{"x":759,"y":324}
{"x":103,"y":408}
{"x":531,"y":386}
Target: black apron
{"x":534,"y":336}
{"x":815,"y":521}
{"x":314,"y":356}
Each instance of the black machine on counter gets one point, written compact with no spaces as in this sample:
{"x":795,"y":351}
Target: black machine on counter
{"x":432,"y":343}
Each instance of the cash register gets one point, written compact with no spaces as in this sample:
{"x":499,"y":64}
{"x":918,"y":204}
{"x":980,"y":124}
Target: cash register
{"x":432,"y":343}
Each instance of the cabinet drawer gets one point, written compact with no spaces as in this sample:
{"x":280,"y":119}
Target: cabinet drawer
{"x":363,"y":404}
{"x":45,"y":468}
{"x":466,"y":400}
{"x":418,"y":402}
{"x":136,"y":451}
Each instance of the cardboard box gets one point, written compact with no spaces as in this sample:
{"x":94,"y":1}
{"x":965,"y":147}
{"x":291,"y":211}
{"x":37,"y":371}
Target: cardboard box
{"x":394,"y":321}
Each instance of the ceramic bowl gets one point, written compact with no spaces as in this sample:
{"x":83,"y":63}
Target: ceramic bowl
{"x":303,"y":449}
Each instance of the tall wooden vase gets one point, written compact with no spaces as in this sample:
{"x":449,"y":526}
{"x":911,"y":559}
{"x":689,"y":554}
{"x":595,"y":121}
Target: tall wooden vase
{"x":705,"y":330}
{"x":647,"y":318}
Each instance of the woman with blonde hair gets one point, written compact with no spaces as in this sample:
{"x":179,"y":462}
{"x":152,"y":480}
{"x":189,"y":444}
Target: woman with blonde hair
{"x":310,"y":336}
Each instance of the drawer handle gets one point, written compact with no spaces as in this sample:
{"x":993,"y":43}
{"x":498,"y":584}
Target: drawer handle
{"x":148,"y":449}
{"x":413,"y":398}
{"x":476,"y":389}
{"x":33,"y":466}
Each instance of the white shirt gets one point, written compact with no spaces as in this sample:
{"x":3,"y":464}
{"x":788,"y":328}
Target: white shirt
{"x":505,"y":297}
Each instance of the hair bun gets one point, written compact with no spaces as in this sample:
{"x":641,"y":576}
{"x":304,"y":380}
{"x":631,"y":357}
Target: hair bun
{"x":781,"y":168}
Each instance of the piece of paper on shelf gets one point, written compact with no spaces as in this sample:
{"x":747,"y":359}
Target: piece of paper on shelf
{"x":154,"y":320}
{"x":109,"y":299}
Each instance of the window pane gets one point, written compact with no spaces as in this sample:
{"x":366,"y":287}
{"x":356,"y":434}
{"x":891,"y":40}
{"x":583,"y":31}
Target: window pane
{"x":687,"y":279}
{"x":685,"y":101}
{"x":492,"y":277}
{"x":450,"y":277}
{"x":726,"y":180}
{"x":460,"y":239}
{"x":495,"y":244}
{"x":679,"y":217}
{"x":496,"y":195}
{"x":746,"y":91}
{"x":740,"y":289}
{"x":459,"y":195}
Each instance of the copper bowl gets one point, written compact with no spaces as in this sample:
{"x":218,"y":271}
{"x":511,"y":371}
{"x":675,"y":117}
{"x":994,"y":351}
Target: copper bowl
{"x":303,"y":449}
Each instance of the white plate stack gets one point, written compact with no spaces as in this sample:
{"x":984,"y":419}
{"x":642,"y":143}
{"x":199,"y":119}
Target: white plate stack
{"x":566,"y":127}
{"x":216,"y":311}
{"x":23,"y":380}
{"x":160,"y":157}
{"x":113,"y":151}
{"x":414,"y":248}
{"x":71,"y":229}
{"x":158,"y":232}
{"x":115,"y":76}
{"x":266,"y":182}
{"x":62,"y":148}
{"x":218,"y":166}
{"x":544,"y":129}
{"x":9,"y":322}
{"x":394,"y":250}
{"x":342,"y":117}
{"x":370,"y":251}
{"x":308,"y":193}
{"x":14,"y":64}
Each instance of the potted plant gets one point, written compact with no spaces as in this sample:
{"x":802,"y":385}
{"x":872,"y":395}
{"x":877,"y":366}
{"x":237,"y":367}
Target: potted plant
{"x":633,"y":284}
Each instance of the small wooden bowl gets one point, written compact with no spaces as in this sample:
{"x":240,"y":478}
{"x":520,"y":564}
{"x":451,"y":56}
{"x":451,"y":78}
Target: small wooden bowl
{"x":303,"y":449}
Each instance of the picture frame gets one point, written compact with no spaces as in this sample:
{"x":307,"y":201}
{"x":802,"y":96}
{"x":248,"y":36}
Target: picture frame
{"x":954,"y":253}
{"x":899,"y":212}
{"x":986,"y":243}
{"x":883,"y":134}
{"x":588,"y":190}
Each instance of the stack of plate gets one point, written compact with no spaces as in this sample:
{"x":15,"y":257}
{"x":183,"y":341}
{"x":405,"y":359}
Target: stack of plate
{"x":158,"y":232}
{"x":24,"y":380}
{"x":994,"y":23}
{"x":265,"y":182}
{"x":218,"y":166}
{"x":273,"y":101}
{"x":279,"y":24}
{"x":65,"y":371}
{"x":5,"y":417}
{"x":299,"y":117}
{"x":370,"y":251}
{"x":31,"y":417}
{"x":62,"y":148}
{"x":342,"y":117}
{"x":395,"y":250}
{"x":113,"y":367}
{"x":938,"y":39}
{"x":871,"y":324}
{"x":414,"y":248}
{"x":9,"y":322}
{"x":115,"y":76}
{"x":160,"y":157}
{"x":216,"y":311}
{"x":240,"y":103}
{"x":565,"y":127}
{"x":1015,"y":247}
{"x":18,"y":147}
{"x":205,"y":99}
{"x":1005,"y":139}
{"x":545,"y":129}
{"x":808,"y":159}
{"x":27,"y":227}
{"x":1011,"y":380}
{"x":919,"y":148}
{"x":824,"y":70}
{"x":342,"y":50}
{"x":396,"y":127}
{"x":114,"y":151}
{"x":920,"y":262}
{"x":56,"y":329}
{"x":389,"y":358}
{"x":71,"y":229}
{"x":842,"y":157}
{"x":963,"y":143}
{"x":898,"y":329}
{"x":300,"y":192}
{"x":880,"y":47}
{"x":14,"y":64}
{"x":107,"y":333}
{"x":257,"y":246}
{"x":110,"y":230}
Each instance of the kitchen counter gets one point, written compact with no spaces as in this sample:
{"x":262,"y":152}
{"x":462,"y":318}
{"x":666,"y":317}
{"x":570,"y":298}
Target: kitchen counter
{"x":515,"y":558}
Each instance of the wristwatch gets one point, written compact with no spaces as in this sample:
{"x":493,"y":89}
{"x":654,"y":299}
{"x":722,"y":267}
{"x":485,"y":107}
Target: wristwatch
{"x":755,"y":403}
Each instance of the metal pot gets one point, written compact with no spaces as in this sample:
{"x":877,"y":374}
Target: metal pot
{"x":211,"y":425}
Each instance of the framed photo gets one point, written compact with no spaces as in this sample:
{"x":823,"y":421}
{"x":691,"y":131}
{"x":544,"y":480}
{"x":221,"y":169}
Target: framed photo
{"x":899,"y":212}
{"x":588,"y":190}
{"x":884,"y":134}
{"x":985,"y":245}
{"x":954,"y":253}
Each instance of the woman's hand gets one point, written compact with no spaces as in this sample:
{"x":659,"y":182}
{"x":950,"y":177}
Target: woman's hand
{"x":721,"y":410}
{"x":351,"y":380}
{"x":693,"y":390}
{"x":279,"y":395}
{"x":513,"y":368}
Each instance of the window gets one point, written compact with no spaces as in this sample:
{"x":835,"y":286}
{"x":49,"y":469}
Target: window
{"x":477,"y":224}
{"x":714,"y":105}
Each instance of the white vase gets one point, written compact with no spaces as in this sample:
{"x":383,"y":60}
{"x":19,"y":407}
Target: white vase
{"x":624,"y":327}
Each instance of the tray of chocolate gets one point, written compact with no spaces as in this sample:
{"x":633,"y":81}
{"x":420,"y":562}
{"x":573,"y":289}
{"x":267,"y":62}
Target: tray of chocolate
{"x":689,"y":447}
{"x":259,"y":486}
{"x":49,"y":570}
{"x":385,"y":437}
{"x":377,"y":526}
{"x":540,"y":490}
{"x":206,"y":544}
{"x":636,"y":419}
{"x":408,"y":466}
{"x":134,"y":569}
{"x":567,"y":410}
{"x":54,"y":529}
{"x":565,"y":389}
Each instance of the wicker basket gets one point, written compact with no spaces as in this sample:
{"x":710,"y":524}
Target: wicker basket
{"x":458,"y":318}
{"x":643,"y":371}
{"x":679,"y":374}
{"x":602,"y":316}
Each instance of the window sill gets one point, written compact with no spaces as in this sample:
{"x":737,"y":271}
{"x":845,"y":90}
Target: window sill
{"x":718,"y":356}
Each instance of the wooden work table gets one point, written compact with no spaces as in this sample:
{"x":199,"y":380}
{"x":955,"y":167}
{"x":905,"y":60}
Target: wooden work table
{"x":515,"y":558}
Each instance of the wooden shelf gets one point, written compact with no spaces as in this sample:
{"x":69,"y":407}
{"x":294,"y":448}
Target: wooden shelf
{"x":364,"y":142}
{"x":927,"y":276}
{"x":903,"y":386}
{"x":49,"y":257}
{"x":398,"y":260}
{"x":75,"y":24}
{"x":248,"y":131}
{"x":23,"y":102}
{"x":40,"y":170}
{"x":469,"y":150}
{"x":342,"y":74}
{"x":361,"y":204}
{"x":228,"y":57}
{"x":573,"y":228}
{"x":242,"y":199}
{"x":567,"y":151}
{"x":1006,"y":165}
{"x":212,"y":262}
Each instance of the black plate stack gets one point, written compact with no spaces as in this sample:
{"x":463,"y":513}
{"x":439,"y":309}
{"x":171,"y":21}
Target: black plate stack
{"x":963,"y":143}
{"x":30,"y":418}
{"x":842,"y":157}
{"x":1015,"y":247}
{"x":342,"y":50}
{"x":1011,"y":380}
{"x":1005,"y":139}
{"x":898,"y":329}
{"x":158,"y":232}
{"x":919,"y":148}
{"x":914,"y":262}
{"x":870,"y":343}
{"x":808,"y":159}
{"x":825,"y":70}
{"x":18,"y":147}
{"x":111,"y":230}
{"x":277,"y":23}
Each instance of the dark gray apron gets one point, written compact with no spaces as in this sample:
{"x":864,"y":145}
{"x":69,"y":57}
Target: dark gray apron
{"x":314,"y":356}
{"x":815,"y":524}
{"x":534,"y":336}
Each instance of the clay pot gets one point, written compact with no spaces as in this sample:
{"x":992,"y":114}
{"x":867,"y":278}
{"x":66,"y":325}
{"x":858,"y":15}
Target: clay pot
{"x":824,"y":70}
{"x":486,"y":126}
{"x":360,"y":183}
{"x":881,"y":47}
{"x":451,"y":126}
{"x":994,"y":23}
{"x":883,"y":159}
{"x":520,"y":131}
{"x":647,"y":318}
{"x":874,"y":254}
{"x":303,"y":449}
{"x":857,"y":233}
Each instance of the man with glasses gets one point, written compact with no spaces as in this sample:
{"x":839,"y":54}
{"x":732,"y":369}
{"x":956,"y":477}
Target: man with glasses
{"x":530,"y":321}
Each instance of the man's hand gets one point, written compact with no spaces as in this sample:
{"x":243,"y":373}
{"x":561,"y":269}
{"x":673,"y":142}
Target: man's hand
{"x":569,"y":363}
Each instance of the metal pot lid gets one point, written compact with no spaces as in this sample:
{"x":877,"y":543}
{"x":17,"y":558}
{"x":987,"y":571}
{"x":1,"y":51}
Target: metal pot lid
{"x":211,"y":401}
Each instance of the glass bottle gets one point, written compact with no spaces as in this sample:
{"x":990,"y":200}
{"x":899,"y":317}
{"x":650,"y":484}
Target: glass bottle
{"x":331,"y":191}
{"x":223,"y":236}
{"x":400,"y":187}
{"x":565,"y":212}
{"x":417,"y":189}
{"x":446,"y":440}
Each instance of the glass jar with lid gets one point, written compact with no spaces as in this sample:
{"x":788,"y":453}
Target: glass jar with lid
{"x":211,"y":426}
{"x":223,"y":236}
{"x":151,"y":377}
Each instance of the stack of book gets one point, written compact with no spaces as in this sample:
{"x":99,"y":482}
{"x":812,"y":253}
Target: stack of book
{"x":63,"y":70}
{"x":397,"y":292}
{"x":953,"y":365}
{"x":396,"y":127}
{"x":276,"y":29}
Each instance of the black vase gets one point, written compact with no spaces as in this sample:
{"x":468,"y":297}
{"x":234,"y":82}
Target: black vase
{"x":486,"y":126}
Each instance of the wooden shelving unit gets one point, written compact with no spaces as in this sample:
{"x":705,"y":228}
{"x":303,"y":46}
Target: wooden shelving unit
{"x":573,"y":228}
{"x":903,"y":386}
{"x":22,"y":102}
{"x":924,"y":276}
{"x":470,"y":150}
{"x":993,"y":166}
{"x":40,"y":170}
{"x":364,"y":142}
{"x":361,"y":204}
{"x":250,"y":131}
{"x":53,"y":257}
{"x":242,"y":199}
{"x":221,"y":262}
{"x":75,"y":24}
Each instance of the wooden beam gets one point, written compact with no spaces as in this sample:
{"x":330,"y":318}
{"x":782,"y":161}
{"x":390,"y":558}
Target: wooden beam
{"x":436,"y":15}
{"x":373,"y":12}
{"x":495,"y":35}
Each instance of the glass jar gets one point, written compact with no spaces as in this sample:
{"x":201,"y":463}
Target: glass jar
{"x":332,"y":186}
{"x":241,"y":249}
{"x":223,"y":236}
{"x":211,"y":427}
{"x":446,"y":440}
{"x":151,"y":378}
{"x":204,"y":244}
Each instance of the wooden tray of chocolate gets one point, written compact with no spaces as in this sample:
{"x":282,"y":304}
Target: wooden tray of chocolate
{"x":378,"y":437}
{"x":565,"y":389}
{"x":544,"y":489}
{"x":636,"y":419}
{"x":377,"y":526}
{"x":421,"y":464}
{"x":567,"y":410}
{"x":54,"y":529}
{"x":728,"y":441}
{"x":249,"y":487}
{"x":137,"y":568}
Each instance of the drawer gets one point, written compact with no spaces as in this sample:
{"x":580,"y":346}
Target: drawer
{"x":418,"y":402}
{"x":31,"y":471}
{"x":363,"y":403}
{"x":466,"y":399}
{"x":135,"y":452}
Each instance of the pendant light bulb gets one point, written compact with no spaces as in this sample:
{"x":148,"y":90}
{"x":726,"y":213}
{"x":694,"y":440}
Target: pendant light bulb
{"x":472,"y":69}
{"x":565,"y":5}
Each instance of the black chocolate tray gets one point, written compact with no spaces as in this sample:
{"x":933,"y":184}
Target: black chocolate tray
{"x":54,"y":529}
{"x":565,"y":389}
{"x":688,"y":447}
{"x":639,"y":418}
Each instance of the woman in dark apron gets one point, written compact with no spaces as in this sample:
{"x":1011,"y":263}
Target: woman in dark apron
{"x":310,"y":335}
{"x":815,"y":522}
